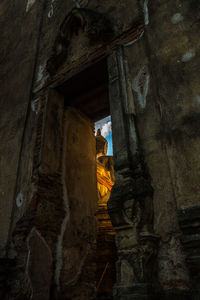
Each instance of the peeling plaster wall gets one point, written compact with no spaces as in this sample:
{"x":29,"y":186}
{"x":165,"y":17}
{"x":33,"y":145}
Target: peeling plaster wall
{"x":27,"y":34}
{"x":19,"y":33}
{"x":81,"y":48}
{"x":77,"y":277}
{"x":164,"y":73}
{"x":28,"y":30}
{"x":167,"y":116}
{"x":174,"y":50}
{"x":148,"y":116}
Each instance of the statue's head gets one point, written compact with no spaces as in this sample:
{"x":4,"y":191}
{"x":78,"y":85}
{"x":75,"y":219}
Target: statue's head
{"x":101,"y":144}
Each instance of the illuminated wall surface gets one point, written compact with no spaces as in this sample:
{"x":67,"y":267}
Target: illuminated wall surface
{"x":106,"y":130}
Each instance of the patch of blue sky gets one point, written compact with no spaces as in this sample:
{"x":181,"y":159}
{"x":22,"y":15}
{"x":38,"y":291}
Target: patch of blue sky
{"x":106,"y":131}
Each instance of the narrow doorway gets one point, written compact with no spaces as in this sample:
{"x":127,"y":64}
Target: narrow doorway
{"x":90,"y":253}
{"x":106,"y":249}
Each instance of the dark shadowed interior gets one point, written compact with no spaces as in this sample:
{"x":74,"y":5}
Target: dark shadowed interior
{"x":87,"y":94}
{"x":88,"y":91}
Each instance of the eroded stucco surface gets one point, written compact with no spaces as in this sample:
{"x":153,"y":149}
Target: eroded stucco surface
{"x":159,"y":88}
{"x":18,"y":52}
{"x":77,"y":276}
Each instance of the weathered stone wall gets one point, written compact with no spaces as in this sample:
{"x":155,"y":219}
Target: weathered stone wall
{"x":35,"y":25}
{"x":177,"y":54}
{"x":162,"y":60}
{"x":19,"y":31}
{"x":80,"y":48}
{"x":164,"y":83}
{"x":77,"y":271}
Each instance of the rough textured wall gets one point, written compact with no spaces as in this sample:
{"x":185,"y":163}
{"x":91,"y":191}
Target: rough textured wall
{"x":19,"y":29}
{"x":79,"y":240}
{"x":171,"y":270}
{"x":80,"y":47}
{"x":163,"y":65}
{"x":166,"y":92}
{"x":28,"y":32}
{"x":175,"y":48}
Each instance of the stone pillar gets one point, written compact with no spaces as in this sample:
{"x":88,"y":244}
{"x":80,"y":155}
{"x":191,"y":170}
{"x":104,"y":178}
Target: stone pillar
{"x":130,"y":205}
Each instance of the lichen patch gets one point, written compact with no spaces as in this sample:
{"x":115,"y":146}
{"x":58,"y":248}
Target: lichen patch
{"x":197,"y":99}
{"x":176,"y":18}
{"x":188,"y":55}
{"x":50,"y":13}
{"x":141,"y":86}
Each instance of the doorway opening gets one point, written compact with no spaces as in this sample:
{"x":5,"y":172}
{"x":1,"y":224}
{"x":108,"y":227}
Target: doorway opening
{"x":106,"y":250}
{"x":89,"y":241}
